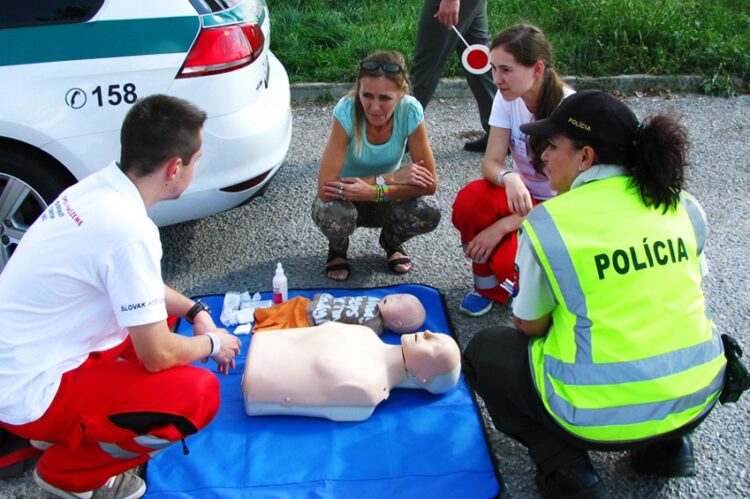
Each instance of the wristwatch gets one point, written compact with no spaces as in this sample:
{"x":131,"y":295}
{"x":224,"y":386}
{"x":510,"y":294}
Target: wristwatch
{"x":196,"y":309}
{"x":379,"y":180}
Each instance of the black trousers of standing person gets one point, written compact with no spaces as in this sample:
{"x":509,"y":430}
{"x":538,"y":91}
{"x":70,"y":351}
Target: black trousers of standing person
{"x":496,"y":366}
{"x":435,"y":44}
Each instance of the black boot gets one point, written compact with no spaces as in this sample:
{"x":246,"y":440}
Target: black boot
{"x":479,"y":145}
{"x":669,"y":458}
{"x":576,"y":480}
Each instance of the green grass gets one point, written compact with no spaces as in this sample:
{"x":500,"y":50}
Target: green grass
{"x":323,"y":40}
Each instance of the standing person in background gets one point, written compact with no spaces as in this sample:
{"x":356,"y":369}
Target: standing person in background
{"x":614,"y":348}
{"x":361,"y":182}
{"x":89,"y":370}
{"x":435,"y":42}
{"x":487,"y":212}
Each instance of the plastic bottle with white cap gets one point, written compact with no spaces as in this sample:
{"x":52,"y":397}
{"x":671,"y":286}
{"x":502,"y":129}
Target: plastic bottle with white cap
{"x":280,"y":286}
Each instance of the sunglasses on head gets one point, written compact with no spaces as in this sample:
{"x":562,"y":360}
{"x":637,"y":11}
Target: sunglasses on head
{"x":387,"y":67}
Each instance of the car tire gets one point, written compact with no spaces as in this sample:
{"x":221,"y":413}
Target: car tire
{"x":28,"y":184}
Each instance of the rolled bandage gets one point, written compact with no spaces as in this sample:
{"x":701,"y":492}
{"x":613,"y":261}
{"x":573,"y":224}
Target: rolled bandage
{"x":232,"y":301}
{"x":215,"y":343}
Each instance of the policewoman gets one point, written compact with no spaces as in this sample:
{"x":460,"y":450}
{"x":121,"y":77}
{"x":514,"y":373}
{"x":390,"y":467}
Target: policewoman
{"x":612,"y":348}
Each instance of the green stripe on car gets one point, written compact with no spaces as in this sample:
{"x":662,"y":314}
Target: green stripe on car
{"x":64,"y":42}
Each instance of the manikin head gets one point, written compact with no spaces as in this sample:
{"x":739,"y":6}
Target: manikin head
{"x":401,"y":312}
{"x":432,"y":361}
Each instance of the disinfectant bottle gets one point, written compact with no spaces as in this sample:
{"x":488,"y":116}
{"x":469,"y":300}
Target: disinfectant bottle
{"x":280,"y":288}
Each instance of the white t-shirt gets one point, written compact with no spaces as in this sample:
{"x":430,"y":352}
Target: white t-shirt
{"x":87,"y":269}
{"x":511,"y":115}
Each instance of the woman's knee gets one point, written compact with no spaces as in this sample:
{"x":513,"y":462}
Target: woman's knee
{"x":492,"y":350}
{"x":478,"y":203}
{"x":429,"y":213}
{"x":417,"y":216}
{"x":474,"y":348}
{"x":335,"y":219}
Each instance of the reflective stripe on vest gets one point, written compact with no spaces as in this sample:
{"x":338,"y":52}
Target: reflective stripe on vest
{"x":641,"y":413}
{"x":696,"y":218}
{"x":602,"y":413}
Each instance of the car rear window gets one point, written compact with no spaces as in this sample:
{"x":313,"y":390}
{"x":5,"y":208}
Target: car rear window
{"x":208,"y":6}
{"x":47,"y":12}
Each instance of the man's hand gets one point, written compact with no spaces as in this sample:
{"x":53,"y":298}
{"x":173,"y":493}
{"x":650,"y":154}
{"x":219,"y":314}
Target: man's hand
{"x":229,"y":349}
{"x":447,"y":13}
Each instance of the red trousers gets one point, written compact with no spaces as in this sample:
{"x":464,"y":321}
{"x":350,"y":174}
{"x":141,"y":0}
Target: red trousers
{"x":110,"y":415}
{"x":478,"y":205}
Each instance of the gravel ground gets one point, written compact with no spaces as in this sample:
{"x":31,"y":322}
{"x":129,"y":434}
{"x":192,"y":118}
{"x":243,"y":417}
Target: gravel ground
{"x":238,"y":250}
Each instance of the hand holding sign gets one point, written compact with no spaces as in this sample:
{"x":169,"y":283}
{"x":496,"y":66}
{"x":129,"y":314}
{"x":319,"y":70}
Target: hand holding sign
{"x":475,"y":58}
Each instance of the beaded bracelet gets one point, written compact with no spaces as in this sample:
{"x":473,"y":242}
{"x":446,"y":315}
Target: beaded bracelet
{"x":385,"y":190}
{"x":381,"y":193}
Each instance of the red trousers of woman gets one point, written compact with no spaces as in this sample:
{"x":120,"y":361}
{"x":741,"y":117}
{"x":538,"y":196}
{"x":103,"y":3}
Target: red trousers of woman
{"x":478,"y":205}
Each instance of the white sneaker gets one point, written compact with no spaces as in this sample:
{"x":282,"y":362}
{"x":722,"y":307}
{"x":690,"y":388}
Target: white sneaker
{"x":126,"y":485}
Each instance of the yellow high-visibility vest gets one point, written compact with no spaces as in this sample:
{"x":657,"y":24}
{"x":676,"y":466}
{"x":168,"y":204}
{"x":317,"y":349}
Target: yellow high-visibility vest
{"x":631,"y":352}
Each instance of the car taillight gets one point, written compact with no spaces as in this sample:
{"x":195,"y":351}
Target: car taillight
{"x":218,"y":50}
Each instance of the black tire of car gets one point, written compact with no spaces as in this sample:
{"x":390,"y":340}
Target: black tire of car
{"x":46,"y":179}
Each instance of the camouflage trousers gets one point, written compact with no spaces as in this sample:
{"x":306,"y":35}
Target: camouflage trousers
{"x":401,"y":219}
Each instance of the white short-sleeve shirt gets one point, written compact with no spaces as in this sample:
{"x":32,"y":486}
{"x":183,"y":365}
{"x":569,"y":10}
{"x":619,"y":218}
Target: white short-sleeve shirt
{"x":511,"y":115}
{"x":86,"y":270}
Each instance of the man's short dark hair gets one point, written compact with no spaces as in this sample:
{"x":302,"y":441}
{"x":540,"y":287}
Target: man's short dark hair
{"x":156,"y":128}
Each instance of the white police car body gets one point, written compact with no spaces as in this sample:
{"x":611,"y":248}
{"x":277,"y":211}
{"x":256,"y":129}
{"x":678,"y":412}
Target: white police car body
{"x":71,"y":69}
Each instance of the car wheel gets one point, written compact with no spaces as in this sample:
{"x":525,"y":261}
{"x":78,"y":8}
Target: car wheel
{"x":27,"y":186}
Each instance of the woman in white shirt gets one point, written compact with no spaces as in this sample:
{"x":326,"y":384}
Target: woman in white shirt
{"x":487,"y":212}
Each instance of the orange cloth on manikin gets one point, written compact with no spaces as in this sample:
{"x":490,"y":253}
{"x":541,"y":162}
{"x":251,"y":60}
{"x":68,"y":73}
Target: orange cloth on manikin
{"x":290,"y":314}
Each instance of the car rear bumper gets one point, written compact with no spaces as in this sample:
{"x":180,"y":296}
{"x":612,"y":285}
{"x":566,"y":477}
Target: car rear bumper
{"x":243,"y":157}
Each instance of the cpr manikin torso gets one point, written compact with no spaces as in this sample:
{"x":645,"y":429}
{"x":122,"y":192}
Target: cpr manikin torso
{"x":341,"y":371}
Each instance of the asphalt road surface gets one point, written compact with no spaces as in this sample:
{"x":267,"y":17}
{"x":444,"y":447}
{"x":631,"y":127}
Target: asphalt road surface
{"x":238,"y":250}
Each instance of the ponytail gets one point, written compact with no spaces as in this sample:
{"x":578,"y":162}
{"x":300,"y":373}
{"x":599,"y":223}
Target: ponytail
{"x":657,"y":161}
{"x":655,"y":158}
{"x":551,"y":97}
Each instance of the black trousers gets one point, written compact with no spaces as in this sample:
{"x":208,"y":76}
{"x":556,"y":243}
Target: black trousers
{"x":496,"y":366}
{"x":435,"y":44}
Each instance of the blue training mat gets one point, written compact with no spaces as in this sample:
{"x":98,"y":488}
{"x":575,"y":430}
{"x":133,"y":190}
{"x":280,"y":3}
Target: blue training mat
{"x":415,"y":445}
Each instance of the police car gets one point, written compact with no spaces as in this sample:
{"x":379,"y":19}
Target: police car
{"x":71,"y":69}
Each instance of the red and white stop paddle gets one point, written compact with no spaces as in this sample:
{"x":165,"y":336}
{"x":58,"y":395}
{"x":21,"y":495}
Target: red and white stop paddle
{"x":475,"y":58}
